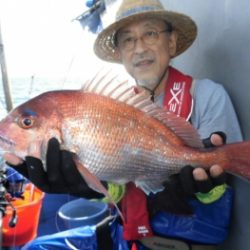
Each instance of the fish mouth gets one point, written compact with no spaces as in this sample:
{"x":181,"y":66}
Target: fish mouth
{"x":5,"y":141}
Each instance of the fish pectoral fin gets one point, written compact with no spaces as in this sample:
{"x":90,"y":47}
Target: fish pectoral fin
{"x":149,"y":186}
{"x":94,"y":183}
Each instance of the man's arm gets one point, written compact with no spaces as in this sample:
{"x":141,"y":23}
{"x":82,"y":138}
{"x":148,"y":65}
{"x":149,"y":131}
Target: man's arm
{"x":213,"y":111}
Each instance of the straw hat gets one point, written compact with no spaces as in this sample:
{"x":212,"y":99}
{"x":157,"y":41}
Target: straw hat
{"x":131,"y":10}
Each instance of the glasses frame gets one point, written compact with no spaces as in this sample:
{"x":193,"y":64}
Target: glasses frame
{"x":143,"y":39}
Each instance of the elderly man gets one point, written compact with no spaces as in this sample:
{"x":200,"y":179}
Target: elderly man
{"x":144,"y":38}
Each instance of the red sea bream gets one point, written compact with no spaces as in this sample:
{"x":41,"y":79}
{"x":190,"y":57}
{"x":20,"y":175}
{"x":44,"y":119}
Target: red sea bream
{"x":116,"y":136}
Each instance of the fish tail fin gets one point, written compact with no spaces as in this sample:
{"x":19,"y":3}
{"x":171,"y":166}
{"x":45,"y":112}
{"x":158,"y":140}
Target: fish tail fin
{"x":94,"y":183}
{"x":238,"y":158}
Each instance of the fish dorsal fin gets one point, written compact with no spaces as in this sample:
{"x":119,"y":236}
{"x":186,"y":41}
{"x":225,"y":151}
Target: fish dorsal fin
{"x":108,"y":84}
{"x":180,"y":127}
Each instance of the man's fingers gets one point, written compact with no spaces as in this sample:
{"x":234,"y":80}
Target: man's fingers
{"x":36,"y":173}
{"x":186,"y":180}
{"x":53,"y":160}
{"x":12,"y":159}
{"x":216,"y":140}
{"x":200,"y":174}
{"x":215,"y":171}
{"x":218,"y":175}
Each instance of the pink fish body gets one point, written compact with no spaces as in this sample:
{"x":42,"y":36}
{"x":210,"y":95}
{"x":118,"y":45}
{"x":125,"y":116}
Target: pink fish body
{"x":121,"y":139}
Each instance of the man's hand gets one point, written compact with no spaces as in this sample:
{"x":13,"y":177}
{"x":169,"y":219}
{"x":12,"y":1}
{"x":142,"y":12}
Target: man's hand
{"x":61,"y":174}
{"x":187,"y":183}
{"x":215,"y":171}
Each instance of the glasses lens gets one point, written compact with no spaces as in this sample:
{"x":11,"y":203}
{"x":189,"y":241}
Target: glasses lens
{"x":150,"y":37}
{"x":129,"y":43}
{"x":126,"y":43}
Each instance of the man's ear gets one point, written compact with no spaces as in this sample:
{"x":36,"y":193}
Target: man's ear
{"x":117,"y":55}
{"x":172,"y":43}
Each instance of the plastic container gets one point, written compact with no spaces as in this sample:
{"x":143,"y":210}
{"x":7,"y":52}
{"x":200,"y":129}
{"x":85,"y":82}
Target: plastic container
{"x":28,"y":213}
{"x":81,"y":212}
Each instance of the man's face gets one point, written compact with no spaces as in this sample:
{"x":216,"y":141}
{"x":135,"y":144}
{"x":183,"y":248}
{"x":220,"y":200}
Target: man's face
{"x":146,"y":61}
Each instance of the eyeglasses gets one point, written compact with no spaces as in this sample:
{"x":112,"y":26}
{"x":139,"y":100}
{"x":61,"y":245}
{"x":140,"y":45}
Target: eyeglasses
{"x":149,"y":37}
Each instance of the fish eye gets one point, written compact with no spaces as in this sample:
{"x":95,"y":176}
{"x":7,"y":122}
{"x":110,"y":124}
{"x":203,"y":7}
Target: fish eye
{"x":26,"y":122}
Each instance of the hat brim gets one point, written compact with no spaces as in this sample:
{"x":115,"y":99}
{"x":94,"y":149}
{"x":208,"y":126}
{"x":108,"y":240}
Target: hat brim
{"x":184,"y":26}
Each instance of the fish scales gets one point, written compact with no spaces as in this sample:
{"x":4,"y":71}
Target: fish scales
{"x":116,"y":141}
{"x":128,"y":134}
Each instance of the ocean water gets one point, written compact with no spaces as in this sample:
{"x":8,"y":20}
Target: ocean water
{"x":23,"y":89}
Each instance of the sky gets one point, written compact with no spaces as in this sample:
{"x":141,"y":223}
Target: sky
{"x":41,"y":39}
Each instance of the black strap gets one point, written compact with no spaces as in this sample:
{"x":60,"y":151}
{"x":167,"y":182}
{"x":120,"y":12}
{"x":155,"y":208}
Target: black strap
{"x":103,"y":235}
{"x":163,"y":243}
{"x":152,"y":91}
{"x":160,"y":243}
